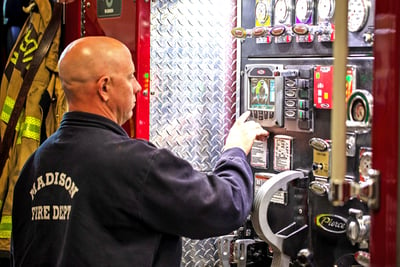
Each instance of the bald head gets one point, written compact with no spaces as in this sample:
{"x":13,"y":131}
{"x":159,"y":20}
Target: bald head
{"x":88,"y":58}
{"x":92,"y":69}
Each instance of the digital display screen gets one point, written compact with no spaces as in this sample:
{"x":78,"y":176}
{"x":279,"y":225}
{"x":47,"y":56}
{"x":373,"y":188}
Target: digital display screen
{"x":261,"y":95}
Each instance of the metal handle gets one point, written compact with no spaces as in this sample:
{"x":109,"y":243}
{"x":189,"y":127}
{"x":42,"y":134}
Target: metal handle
{"x":259,"y":216}
{"x":224,"y":249}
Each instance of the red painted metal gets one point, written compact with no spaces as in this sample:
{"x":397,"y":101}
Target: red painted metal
{"x":142,"y":113}
{"x":72,"y":23}
{"x":120,"y":27}
{"x":385,"y":132}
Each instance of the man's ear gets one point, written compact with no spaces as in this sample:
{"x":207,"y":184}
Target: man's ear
{"x":102,"y":88}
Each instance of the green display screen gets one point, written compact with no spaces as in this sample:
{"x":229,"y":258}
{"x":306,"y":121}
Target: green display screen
{"x":261,"y":95}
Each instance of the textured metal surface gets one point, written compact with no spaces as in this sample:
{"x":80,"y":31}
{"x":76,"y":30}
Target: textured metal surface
{"x":192,"y":77}
{"x":193,"y":89}
{"x":199,"y":253}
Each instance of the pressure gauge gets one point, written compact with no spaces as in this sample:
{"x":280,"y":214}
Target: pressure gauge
{"x":263,"y":12}
{"x":359,"y":108}
{"x":326,"y":9}
{"x":281,"y":11}
{"x":304,"y":10}
{"x":357,"y":15}
{"x":365,"y":163}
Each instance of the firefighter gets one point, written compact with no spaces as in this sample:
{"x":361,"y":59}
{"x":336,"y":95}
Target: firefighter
{"x":93,"y":196}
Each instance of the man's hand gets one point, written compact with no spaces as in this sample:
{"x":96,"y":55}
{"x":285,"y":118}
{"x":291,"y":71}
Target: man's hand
{"x":243,"y":133}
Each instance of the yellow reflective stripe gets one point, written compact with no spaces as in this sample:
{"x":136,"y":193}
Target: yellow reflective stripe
{"x":5,"y":226}
{"x":31,"y":128}
{"x":5,"y":116}
{"x":7,"y":109}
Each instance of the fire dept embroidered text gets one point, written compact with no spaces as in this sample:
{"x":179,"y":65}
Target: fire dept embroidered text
{"x":54,"y":212}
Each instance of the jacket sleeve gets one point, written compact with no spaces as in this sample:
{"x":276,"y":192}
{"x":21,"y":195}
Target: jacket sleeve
{"x":180,"y":200}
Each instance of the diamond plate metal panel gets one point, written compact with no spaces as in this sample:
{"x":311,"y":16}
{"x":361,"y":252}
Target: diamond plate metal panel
{"x":199,"y":253}
{"x":193,"y":89}
{"x":193,"y":77}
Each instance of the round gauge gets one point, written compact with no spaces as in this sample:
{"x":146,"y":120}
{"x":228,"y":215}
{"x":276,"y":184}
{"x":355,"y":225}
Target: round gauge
{"x":365,"y":164}
{"x":358,"y":110}
{"x":303,"y":10}
{"x":281,"y":11}
{"x":326,"y":9}
{"x":262,"y":12}
{"x":357,"y":15}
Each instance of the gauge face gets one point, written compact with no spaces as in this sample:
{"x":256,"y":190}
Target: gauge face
{"x":262,"y":12}
{"x":281,"y":11}
{"x":303,"y":10}
{"x":326,"y":9}
{"x":357,"y":15}
{"x":365,"y":163}
{"x":358,"y":110}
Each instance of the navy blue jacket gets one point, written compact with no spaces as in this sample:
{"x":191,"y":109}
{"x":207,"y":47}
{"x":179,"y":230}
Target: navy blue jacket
{"x":92,"y":196}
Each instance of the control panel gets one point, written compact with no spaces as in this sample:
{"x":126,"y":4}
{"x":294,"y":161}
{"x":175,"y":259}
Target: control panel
{"x":280,"y":95}
{"x":286,"y":83}
{"x":264,"y":93}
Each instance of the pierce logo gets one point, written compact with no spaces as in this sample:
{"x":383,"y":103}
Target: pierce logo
{"x":331,"y":223}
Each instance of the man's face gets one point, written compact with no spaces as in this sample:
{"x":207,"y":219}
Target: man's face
{"x":124,"y":90}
